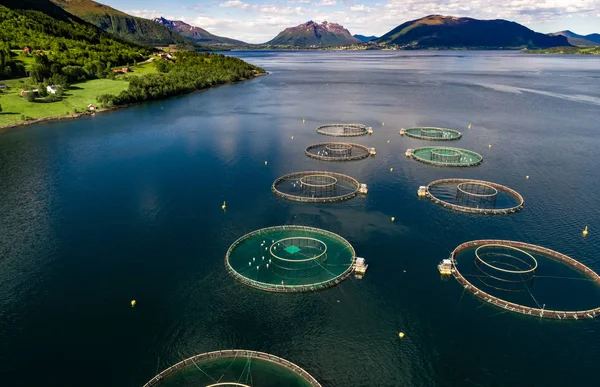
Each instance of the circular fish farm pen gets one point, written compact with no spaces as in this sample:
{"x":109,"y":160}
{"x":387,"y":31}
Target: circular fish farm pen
{"x":343,"y":130}
{"x":447,"y":157}
{"x":337,"y":151}
{"x":234,"y":367}
{"x":316,"y":187}
{"x":433,"y":134}
{"x":527,"y":279}
{"x":290,"y":259}
{"x":475,"y":196}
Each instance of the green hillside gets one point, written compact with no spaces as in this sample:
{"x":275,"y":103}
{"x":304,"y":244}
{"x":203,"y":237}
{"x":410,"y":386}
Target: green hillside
{"x":135,"y":29}
{"x":64,"y":42}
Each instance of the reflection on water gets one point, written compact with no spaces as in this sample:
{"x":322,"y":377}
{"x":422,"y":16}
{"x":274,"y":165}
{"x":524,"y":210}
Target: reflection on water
{"x":127,"y":205}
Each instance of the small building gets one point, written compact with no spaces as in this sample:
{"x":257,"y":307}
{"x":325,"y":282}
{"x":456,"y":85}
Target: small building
{"x":27,"y":50}
{"x":91,"y":107}
{"x":445,"y":267}
{"x":51,"y":89}
{"x":360,"y":267}
{"x":23,"y":92}
{"x":125,"y":69}
{"x":3,"y":86}
{"x":363,"y":189}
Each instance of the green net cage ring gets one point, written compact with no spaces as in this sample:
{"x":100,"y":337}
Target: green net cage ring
{"x":234,"y":367}
{"x":432,"y":133}
{"x":445,"y":156}
{"x":290,"y":259}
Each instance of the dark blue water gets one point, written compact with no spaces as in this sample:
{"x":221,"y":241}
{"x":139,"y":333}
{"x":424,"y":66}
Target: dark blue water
{"x":127,"y":205}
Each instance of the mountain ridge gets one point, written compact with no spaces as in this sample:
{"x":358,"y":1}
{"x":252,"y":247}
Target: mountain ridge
{"x":590,"y":40}
{"x":121,"y":24}
{"x":312,"y":34}
{"x":438,"y":31}
{"x":197,"y":34}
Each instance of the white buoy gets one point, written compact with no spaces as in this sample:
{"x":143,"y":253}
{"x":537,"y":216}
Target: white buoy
{"x":224,"y":206}
{"x":469,"y":126}
{"x":383,"y":124}
{"x":388,"y":141}
{"x":266,"y":163}
{"x":401,"y":335}
{"x":393,"y":219}
{"x":292,"y":137}
{"x":263,"y":258}
{"x":490,"y":146}
{"x":527,"y":177}
{"x":391,"y":169}
{"x":585,"y":231}
{"x":303,"y":121}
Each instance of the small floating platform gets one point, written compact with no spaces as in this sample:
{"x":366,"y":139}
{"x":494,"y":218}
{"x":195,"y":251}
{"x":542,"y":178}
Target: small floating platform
{"x":363,"y":189}
{"x":360,"y":267}
{"x":370,"y":130}
{"x":372,"y":151}
{"x":422,"y":192}
{"x":408,"y":152}
{"x":445,"y":267}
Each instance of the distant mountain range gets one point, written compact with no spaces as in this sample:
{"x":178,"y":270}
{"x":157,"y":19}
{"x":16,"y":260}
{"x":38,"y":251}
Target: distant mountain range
{"x":579,"y":40}
{"x":365,"y":39}
{"x":436,"y":31}
{"x":311,"y":34}
{"x":115,"y":22}
{"x":196,"y":33}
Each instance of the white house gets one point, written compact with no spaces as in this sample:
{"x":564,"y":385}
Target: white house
{"x":51,"y":89}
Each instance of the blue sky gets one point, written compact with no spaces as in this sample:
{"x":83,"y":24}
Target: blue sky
{"x":257,"y":21}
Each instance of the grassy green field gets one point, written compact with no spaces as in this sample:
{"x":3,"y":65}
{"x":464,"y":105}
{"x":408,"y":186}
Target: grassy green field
{"x":77,"y":97}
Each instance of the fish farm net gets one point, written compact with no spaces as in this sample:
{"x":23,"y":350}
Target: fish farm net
{"x":505,"y":267}
{"x":475,"y":196}
{"x":527,"y":279}
{"x":447,"y":157}
{"x":290,"y":259}
{"x":316,"y":186}
{"x":337,"y":151}
{"x":434,"y":134}
{"x":229,"y":368}
{"x":343,"y":130}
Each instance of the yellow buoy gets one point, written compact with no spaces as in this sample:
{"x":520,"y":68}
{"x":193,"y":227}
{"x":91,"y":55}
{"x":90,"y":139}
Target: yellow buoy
{"x":585,"y":231}
{"x":393,"y":219}
{"x":266,"y":163}
{"x":527,"y":177}
{"x":292,"y":137}
{"x":401,"y":335}
{"x":391,"y":169}
{"x":469,"y":126}
{"x":133,"y":303}
{"x":224,"y":206}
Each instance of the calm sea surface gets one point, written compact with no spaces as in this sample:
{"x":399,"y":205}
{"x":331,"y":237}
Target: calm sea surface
{"x":127,"y":205}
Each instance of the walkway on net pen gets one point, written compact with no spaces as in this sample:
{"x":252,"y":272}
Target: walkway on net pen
{"x":234,"y":353}
{"x":517,"y":308}
{"x":477,"y":210}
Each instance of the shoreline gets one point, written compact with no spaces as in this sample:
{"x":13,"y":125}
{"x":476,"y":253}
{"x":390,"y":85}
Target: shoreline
{"x":110,"y":109}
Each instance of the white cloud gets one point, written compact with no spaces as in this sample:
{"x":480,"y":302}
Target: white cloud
{"x":234,"y":4}
{"x":325,"y":3}
{"x":361,"y":8}
{"x":146,"y":13}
